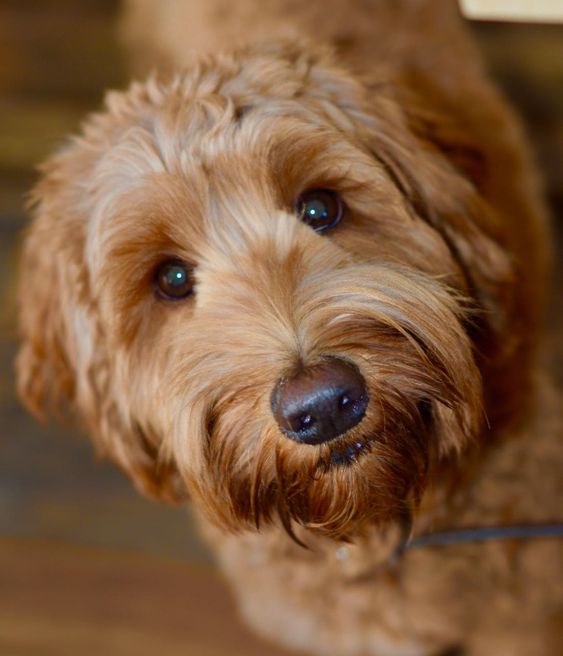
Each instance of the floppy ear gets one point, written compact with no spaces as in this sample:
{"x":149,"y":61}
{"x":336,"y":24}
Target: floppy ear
{"x":442,"y":172}
{"x":63,"y":363}
{"x":445,"y":171}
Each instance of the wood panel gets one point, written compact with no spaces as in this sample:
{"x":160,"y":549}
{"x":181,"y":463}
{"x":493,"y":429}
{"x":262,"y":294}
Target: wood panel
{"x":61,"y":600}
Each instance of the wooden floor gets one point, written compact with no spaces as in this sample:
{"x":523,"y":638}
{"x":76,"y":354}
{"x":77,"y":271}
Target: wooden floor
{"x":87,"y":567}
{"x":60,"y":600}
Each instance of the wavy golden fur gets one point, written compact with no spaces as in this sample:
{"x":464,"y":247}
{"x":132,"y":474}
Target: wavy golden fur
{"x":432,"y":287}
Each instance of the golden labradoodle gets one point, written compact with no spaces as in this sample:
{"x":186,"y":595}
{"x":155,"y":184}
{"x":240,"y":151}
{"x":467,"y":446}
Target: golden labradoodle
{"x":299,"y":282}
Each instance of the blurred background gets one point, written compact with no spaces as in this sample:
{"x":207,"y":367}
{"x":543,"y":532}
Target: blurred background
{"x":86,"y":565}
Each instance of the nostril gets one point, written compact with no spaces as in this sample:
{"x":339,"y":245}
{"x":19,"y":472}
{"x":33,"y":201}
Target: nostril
{"x":302,"y":423}
{"x":320,"y":402}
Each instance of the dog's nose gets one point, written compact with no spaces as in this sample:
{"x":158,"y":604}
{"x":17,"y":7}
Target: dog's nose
{"x":320,"y":402}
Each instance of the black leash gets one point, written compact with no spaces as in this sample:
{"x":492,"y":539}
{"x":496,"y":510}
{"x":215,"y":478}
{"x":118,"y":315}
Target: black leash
{"x":482,"y":534}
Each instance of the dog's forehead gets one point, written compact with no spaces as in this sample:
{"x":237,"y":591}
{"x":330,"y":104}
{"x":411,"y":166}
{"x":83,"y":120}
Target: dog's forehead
{"x":183,"y":195}
{"x":231,"y":135}
{"x":181,"y":131}
{"x":218,"y":103}
{"x":186,"y":130}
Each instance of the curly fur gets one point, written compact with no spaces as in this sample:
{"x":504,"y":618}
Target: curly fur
{"x":432,"y":287}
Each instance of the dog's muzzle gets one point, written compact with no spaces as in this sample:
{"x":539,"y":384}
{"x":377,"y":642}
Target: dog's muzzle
{"x":320,"y":402}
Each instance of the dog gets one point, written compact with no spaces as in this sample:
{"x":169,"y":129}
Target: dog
{"x":297,"y":278}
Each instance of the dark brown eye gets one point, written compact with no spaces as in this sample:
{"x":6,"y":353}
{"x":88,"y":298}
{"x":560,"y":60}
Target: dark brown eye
{"x":321,"y":209}
{"x":174,"y":280}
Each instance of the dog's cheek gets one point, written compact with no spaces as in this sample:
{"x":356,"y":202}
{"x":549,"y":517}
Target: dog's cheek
{"x":129,"y":420}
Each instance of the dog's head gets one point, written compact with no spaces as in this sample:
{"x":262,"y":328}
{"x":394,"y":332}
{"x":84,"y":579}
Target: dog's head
{"x":257,"y":284}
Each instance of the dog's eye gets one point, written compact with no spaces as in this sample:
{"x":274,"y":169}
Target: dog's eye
{"x":174,"y":280}
{"x":321,"y":209}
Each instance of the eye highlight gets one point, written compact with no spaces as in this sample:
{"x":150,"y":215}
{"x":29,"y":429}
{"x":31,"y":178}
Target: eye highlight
{"x":321,"y":209}
{"x":173,"y":280}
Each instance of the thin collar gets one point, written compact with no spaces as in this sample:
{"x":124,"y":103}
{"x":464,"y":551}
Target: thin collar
{"x":482,"y":534}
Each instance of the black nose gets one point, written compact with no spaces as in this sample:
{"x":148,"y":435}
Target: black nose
{"x":320,"y":402}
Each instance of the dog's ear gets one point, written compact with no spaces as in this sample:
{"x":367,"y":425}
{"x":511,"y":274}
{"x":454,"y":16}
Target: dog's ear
{"x":63,"y":364}
{"x":442,"y":171}
{"x":47,"y":360}
{"x":445,"y":170}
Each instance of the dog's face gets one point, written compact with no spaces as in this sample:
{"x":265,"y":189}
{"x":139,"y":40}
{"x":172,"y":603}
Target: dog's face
{"x":254,"y":285}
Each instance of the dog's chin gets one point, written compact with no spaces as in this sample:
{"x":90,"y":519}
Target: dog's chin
{"x":252,"y":475}
{"x":371,"y":477}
